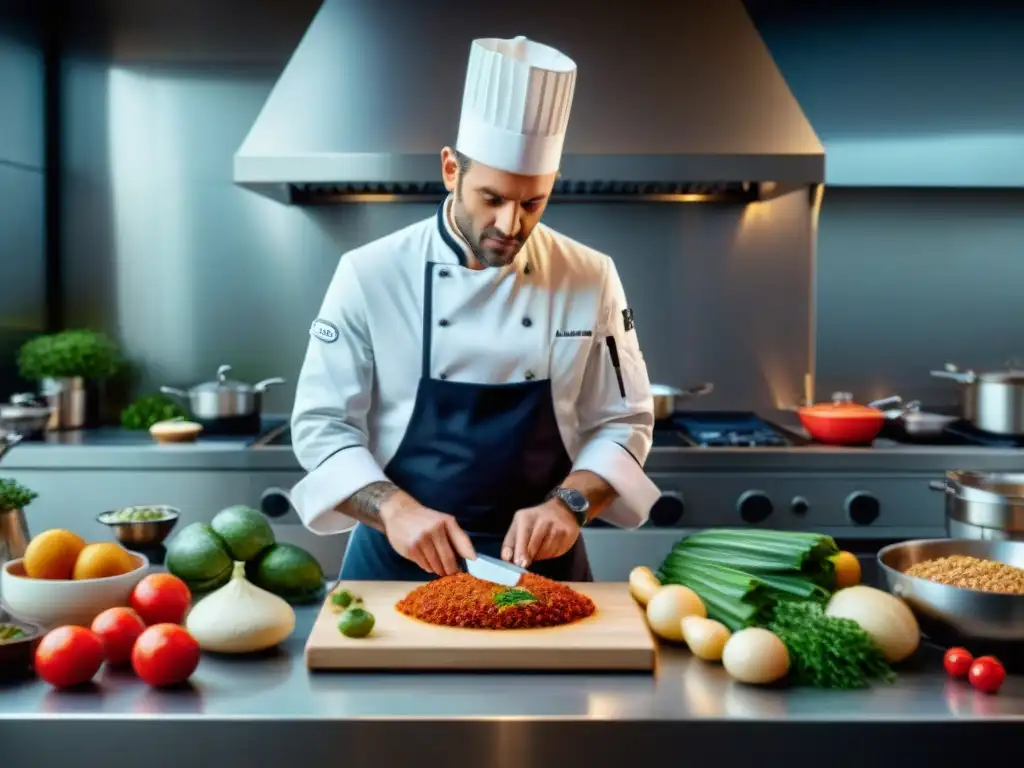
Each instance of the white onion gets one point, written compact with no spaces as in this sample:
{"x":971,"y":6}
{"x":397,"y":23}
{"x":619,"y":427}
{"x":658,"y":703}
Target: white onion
{"x":706,"y":638}
{"x":756,"y":656}
{"x":643,"y":584}
{"x":668,"y":606}
{"x":885,"y":618}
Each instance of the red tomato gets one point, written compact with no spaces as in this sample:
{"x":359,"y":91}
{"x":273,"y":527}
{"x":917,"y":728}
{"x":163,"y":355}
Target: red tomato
{"x":161,"y":598}
{"x":957,"y":662}
{"x":69,"y":656}
{"x":118,"y":628}
{"x":987,"y":674}
{"x":165,"y":654}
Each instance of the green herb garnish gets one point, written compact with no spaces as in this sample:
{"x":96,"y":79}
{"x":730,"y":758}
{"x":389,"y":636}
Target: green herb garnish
{"x":9,"y":632}
{"x":13,"y":495}
{"x":512,"y":596}
{"x":150,"y":409}
{"x":826,"y":651}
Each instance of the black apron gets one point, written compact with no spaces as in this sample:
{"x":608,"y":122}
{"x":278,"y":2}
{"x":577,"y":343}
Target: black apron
{"x":478,"y":452}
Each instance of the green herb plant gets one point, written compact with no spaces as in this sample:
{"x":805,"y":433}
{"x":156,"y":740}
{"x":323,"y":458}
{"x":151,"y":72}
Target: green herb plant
{"x":13,"y":495}
{"x":513,"y":596}
{"x":148,"y":410}
{"x":827,"y":651}
{"x":85,"y":354}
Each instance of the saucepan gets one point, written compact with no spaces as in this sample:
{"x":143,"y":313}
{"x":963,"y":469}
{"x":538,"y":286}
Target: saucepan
{"x":992,"y":401}
{"x":667,"y":400}
{"x":223,"y":398}
{"x":843,"y":421}
{"x":910,"y":417}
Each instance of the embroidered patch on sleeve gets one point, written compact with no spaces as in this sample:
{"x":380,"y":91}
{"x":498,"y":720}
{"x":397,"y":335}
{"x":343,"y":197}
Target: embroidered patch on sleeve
{"x":627,"y":320}
{"x":324,"y":330}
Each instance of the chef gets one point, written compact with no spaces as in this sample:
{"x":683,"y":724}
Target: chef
{"x":473,"y":383}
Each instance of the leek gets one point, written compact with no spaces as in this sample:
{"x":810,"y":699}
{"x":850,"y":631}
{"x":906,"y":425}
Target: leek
{"x":741,"y":575}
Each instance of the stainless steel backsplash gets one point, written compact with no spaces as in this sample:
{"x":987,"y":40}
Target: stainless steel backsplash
{"x":190,"y":271}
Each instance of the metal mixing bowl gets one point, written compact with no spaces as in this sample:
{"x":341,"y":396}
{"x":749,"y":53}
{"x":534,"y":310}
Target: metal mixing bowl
{"x":142,"y":533}
{"x":952,"y":615}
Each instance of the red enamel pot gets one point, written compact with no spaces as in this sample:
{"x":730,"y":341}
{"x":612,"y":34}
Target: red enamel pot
{"x":842,"y":421}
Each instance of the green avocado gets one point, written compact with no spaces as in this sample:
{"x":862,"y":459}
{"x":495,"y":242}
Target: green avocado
{"x":200,"y":558}
{"x":289,"y":572}
{"x":245,"y":531}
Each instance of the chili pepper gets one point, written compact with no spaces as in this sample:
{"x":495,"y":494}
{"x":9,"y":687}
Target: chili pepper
{"x":465,"y":601}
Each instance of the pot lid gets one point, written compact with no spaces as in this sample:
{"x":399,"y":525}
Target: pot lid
{"x":842,"y":406}
{"x":1002,"y":377}
{"x":989,"y":487}
{"x":222,"y":383}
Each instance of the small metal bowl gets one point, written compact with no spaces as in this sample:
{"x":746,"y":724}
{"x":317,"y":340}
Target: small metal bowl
{"x":16,"y":656}
{"x":141,"y":533}
{"x":952,"y":615}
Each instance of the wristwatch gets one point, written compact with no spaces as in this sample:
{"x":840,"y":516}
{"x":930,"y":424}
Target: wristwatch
{"x":572,"y":500}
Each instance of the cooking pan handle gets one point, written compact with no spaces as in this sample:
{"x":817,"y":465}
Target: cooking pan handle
{"x":261,"y":386}
{"x":886,"y":402}
{"x":174,"y":392}
{"x":953,"y":373}
{"x":699,"y":391}
{"x":940,"y":485}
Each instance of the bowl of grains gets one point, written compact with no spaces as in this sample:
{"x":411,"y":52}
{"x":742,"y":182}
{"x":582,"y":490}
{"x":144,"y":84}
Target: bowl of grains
{"x":960,"y":589}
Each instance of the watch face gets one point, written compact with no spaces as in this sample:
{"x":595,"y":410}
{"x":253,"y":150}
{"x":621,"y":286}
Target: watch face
{"x":575,"y":500}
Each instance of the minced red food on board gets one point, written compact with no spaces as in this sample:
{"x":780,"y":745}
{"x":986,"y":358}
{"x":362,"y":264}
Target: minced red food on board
{"x":465,"y":601}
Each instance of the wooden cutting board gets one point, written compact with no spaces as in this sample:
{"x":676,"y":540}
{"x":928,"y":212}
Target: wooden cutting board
{"x":614,"y":638}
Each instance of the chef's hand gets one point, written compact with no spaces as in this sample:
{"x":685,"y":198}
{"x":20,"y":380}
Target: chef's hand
{"x":432,"y":540}
{"x":540,"y":533}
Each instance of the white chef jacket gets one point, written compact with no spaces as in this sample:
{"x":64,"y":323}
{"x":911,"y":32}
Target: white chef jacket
{"x":548,"y":314}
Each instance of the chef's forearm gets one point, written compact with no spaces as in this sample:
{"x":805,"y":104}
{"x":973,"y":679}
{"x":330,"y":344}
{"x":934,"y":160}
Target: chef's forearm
{"x":594,"y":487}
{"x":365,"y":505}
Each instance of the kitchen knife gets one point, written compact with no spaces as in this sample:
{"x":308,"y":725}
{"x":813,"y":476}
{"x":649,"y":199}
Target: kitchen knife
{"x":494,"y":570}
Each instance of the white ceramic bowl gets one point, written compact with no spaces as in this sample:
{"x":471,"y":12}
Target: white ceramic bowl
{"x":54,"y":603}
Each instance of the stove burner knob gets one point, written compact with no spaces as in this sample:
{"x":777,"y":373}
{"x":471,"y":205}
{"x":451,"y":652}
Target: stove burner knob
{"x":668,"y":510}
{"x":800,"y":505}
{"x":275,"y":502}
{"x":862,"y":507}
{"x":754,"y":506}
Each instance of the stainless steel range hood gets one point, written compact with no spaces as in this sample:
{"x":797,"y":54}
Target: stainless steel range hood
{"x":674,"y":101}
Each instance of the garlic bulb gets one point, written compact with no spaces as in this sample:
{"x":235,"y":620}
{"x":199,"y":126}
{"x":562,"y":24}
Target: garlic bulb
{"x":240,"y":617}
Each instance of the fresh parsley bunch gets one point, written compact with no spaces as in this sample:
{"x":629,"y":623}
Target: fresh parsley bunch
{"x":827,"y":651}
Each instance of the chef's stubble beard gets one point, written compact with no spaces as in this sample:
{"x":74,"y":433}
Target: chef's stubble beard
{"x":465,"y":227}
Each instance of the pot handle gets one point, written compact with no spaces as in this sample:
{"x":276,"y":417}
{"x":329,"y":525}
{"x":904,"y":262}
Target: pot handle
{"x":950,"y":371}
{"x":886,"y":402}
{"x":174,"y":392}
{"x":940,"y":486}
{"x":261,"y":386}
{"x":699,"y":391}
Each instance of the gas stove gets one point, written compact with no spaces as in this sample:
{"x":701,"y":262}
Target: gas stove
{"x":722,"y":429}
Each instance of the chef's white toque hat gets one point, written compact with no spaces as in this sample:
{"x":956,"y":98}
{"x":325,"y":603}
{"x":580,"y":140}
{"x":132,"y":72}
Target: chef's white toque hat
{"x":516,"y":106}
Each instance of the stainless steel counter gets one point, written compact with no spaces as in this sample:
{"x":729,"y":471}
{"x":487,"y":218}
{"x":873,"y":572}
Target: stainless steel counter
{"x":116,"y":450}
{"x":270,"y":710}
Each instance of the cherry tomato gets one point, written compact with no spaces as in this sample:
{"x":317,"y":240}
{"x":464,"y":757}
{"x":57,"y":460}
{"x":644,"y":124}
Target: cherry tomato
{"x":165,"y":654}
{"x":957,"y":662}
{"x":161,"y":598}
{"x":118,"y":628}
{"x":69,"y":656}
{"x":987,"y":674}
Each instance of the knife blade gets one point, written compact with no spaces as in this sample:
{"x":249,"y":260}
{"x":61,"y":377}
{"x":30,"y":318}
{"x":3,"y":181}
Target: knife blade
{"x":494,"y":570}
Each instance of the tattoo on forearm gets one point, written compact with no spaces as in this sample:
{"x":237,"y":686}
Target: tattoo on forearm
{"x":364,"y":505}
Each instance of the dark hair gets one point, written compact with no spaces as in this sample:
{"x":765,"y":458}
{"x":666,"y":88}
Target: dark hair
{"x":463,"y":161}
